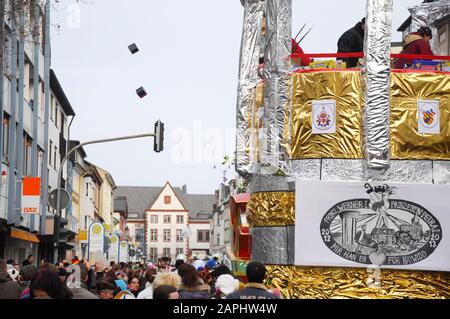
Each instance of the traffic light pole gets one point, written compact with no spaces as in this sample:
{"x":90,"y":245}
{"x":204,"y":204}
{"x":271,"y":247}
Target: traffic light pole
{"x":58,"y":210}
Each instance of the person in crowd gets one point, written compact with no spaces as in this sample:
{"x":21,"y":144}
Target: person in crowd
{"x":192,"y":286}
{"x":10,"y":262}
{"x":255,"y":288}
{"x":8,"y":288}
{"x":83,"y":292}
{"x":165,"y":292}
{"x":46,"y":285}
{"x":63,"y":274}
{"x":221,"y":270}
{"x":415,"y":43}
{"x":166,"y":278}
{"x":225,"y":285}
{"x":28,"y":261}
{"x":352,"y":41}
{"x":106,"y":288}
{"x":134,"y":284}
{"x":121,"y":280}
{"x":178,"y":263}
{"x":27,"y":273}
{"x":48,"y":266}
{"x":147,"y":293}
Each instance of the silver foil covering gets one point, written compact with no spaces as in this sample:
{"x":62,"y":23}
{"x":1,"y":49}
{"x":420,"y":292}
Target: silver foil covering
{"x":274,"y":147}
{"x":441,"y":172}
{"x":377,"y":46}
{"x":248,"y":78}
{"x":417,"y":172}
{"x":427,"y":14}
{"x":268,"y":183}
{"x":342,"y":170}
{"x":291,"y":244}
{"x":305,"y":170}
{"x":270,"y":245}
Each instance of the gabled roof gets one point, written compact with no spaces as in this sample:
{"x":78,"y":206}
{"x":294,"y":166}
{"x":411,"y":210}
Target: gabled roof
{"x":200,"y":205}
{"x":60,"y":95}
{"x":120,"y":204}
{"x":177,"y":191}
{"x":141,"y":198}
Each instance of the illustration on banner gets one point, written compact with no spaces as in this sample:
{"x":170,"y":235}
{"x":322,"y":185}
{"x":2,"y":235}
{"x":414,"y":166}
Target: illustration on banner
{"x":380,"y":230}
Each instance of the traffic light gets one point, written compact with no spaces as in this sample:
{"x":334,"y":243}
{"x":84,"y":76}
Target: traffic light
{"x":60,"y":230}
{"x":158,"y":144}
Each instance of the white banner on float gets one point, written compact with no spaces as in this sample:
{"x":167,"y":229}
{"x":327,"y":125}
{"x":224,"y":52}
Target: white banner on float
{"x":399,"y":226}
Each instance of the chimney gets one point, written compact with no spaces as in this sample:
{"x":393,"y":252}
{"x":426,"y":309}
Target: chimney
{"x":184,"y":189}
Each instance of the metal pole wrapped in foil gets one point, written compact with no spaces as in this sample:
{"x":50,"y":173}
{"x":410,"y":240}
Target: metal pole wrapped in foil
{"x":427,"y":14}
{"x":248,"y":79}
{"x":274,"y":147}
{"x":377,"y":46}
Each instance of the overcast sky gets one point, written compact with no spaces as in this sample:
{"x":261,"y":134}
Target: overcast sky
{"x":188,"y":63}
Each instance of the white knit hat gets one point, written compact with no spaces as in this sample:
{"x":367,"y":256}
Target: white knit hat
{"x":227,"y":284}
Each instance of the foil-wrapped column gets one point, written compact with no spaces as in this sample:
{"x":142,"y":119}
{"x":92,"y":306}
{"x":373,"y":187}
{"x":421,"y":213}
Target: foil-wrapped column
{"x":248,"y":79}
{"x":426,"y":14}
{"x":274,"y":146}
{"x":377,"y":46}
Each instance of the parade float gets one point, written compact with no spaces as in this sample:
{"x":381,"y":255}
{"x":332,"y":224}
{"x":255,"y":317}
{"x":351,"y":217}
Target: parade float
{"x":348,"y":169}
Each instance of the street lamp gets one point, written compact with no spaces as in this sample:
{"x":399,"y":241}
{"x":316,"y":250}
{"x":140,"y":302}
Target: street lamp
{"x":158,"y":135}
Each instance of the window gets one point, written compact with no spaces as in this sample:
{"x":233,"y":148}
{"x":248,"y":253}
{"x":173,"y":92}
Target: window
{"x":56,"y":114}
{"x":5,"y":137}
{"x":27,"y":155}
{"x":153,"y":254}
{"x":180,"y":219}
{"x":62,"y":123}
{"x":52,"y":107}
{"x":50,"y":154}
{"x":153,"y":235}
{"x":167,"y":200}
{"x":179,"y":251}
{"x":140,"y":234}
{"x":179,"y":235}
{"x":40,"y":161}
{"x":7,"y":57}
{"x":166,"y":219}
{"x":55,"y":151}
{"x":87,"y":189}
{"x":166,"y":252}
{"x":166,"y":236}
{"x":218,"y":239}
{"x":154,"y":219}
{"x":203,"y":236}
{"x":218,"y":220}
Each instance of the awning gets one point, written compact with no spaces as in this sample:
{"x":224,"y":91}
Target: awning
{"x":24,"y":235}
{"x":241,"y":198}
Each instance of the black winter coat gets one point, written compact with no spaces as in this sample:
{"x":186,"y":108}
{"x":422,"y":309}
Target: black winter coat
{"x":9,"y":289}
{"x":352,"y":41}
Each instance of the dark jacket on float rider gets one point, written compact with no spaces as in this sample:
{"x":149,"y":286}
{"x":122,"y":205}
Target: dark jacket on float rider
{"x":352,"y":41}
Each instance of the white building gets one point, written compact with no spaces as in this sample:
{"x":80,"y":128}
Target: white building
{"x":160,"y":218}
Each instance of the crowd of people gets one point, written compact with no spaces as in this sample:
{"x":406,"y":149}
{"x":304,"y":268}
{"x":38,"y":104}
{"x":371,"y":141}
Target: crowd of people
{"x":78,"y":279}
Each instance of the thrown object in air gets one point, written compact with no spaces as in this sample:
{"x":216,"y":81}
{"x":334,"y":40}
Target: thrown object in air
{"x":133,"y":48}
{"x":141,"y":92}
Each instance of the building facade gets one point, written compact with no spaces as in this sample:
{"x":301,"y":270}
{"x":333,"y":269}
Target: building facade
{"x":167,"y":221}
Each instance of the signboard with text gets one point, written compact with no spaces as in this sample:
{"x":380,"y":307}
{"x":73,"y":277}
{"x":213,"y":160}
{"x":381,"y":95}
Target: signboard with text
{"x":399,"y":226}
{"x":31,"y":195}
{"x":96,"y":237}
